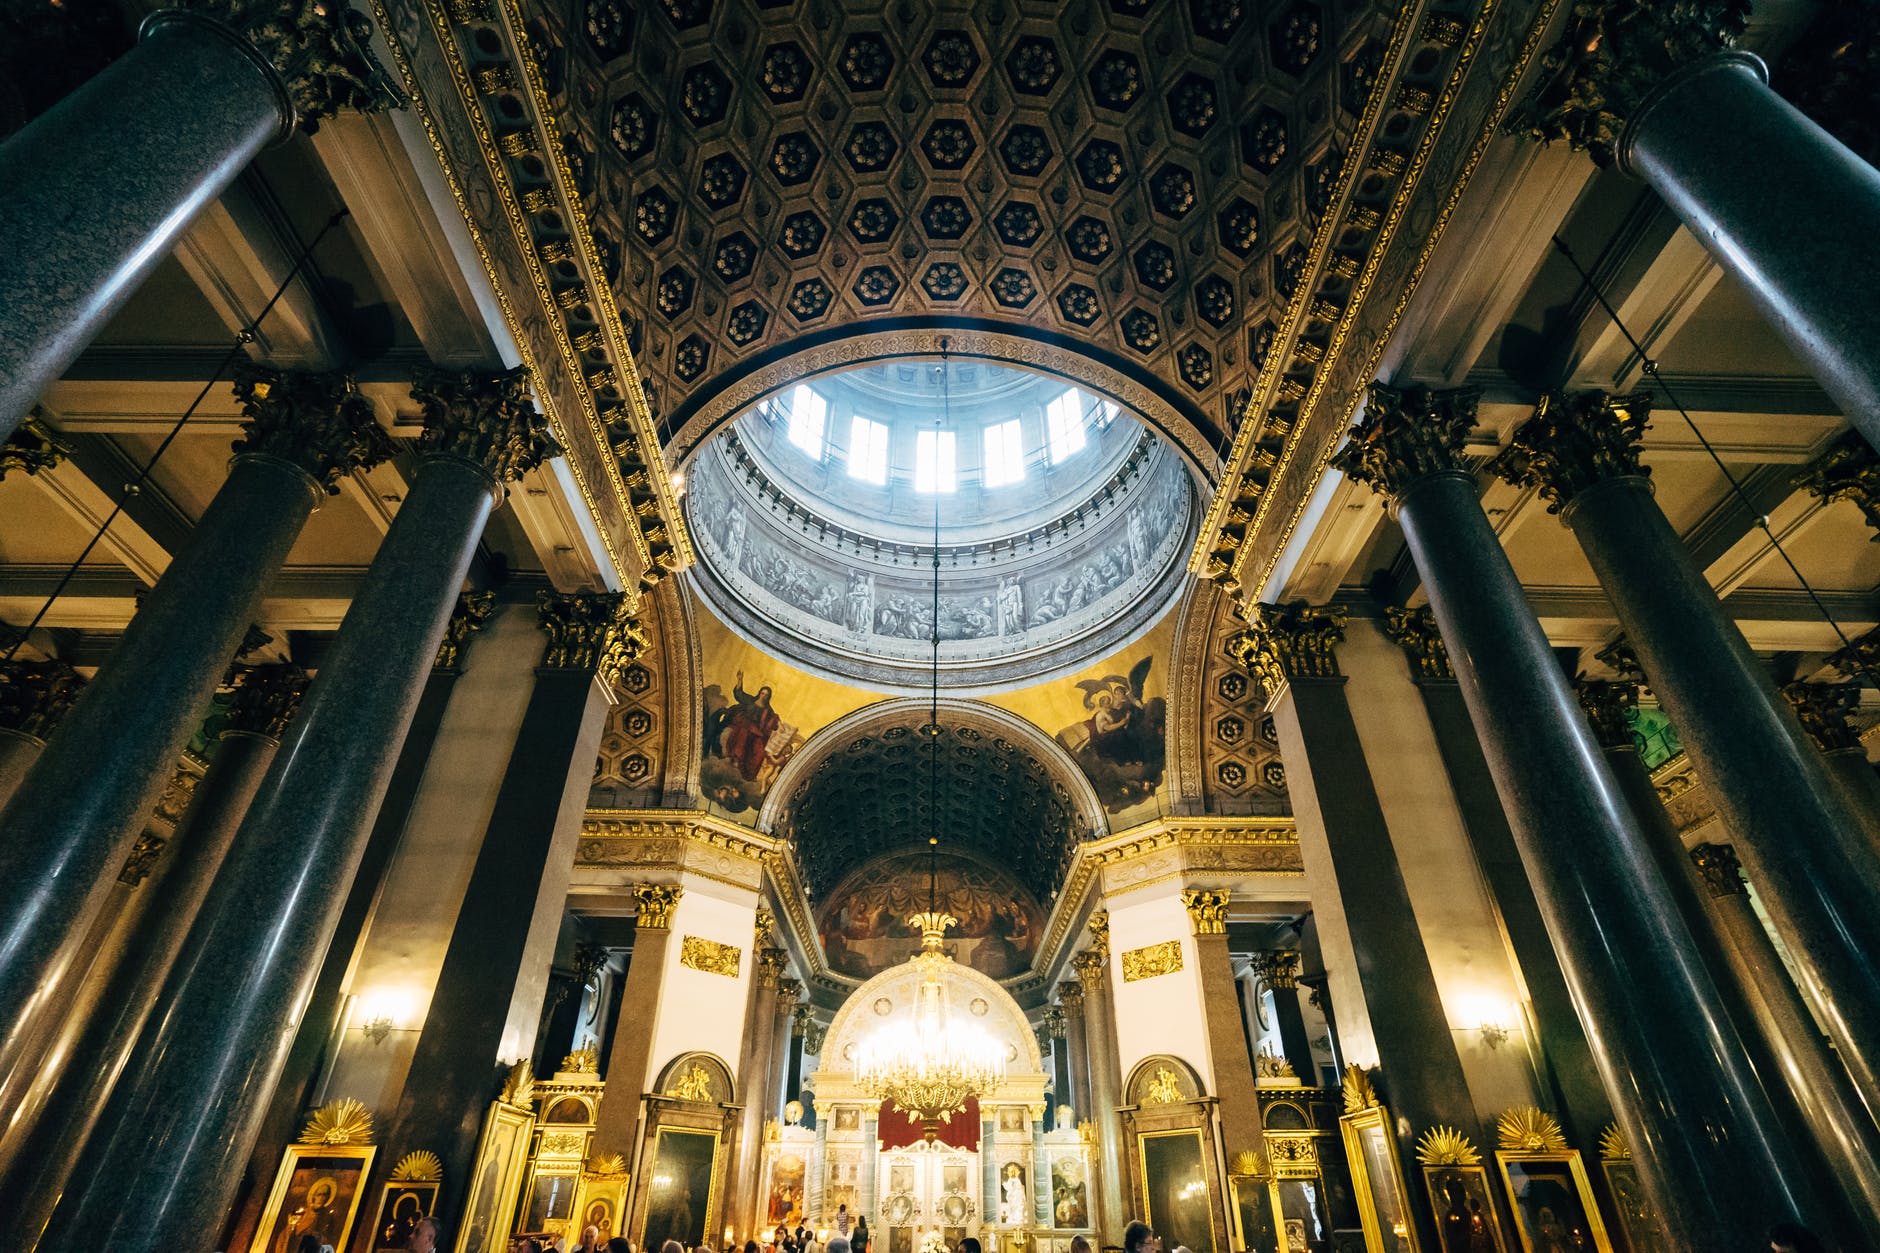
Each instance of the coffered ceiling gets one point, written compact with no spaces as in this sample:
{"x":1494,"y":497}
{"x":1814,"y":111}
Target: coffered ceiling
{"x":1141,"y":177}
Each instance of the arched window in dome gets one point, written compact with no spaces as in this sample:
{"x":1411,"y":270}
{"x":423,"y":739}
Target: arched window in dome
{"x":936,"y":462}
{"x":1004,"y":456}
{"x":809,"y":414}
{"x":1064,"y":425}
{"x":868,"y":450}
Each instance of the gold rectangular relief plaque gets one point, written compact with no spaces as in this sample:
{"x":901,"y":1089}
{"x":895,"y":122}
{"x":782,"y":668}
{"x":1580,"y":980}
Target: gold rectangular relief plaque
{"x":710,"y":956}
{"x":1152,"y":960}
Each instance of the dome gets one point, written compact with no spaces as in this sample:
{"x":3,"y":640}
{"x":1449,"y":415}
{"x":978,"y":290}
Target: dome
{"x":1062,"y":522}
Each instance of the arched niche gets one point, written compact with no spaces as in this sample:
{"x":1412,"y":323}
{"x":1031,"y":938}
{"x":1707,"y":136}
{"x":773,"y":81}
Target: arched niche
{"x":1172,"y":1150}
{"x":685,"y":1152}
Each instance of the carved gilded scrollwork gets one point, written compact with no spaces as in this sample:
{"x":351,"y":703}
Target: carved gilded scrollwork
{"x":321,"y":48}
{"x":713,"y":958}
{"x":656,"y":902}
{"x":34,"y":695}
{"x":1208,"y":910}
{"x":1287,"y":642}
{"x":1405,"y":434}
{"x":32,"y":447}
{"x":472,"y":611}
{"x":1151,"y":960}
{"x":487,"y":418}
{"x":1573,"y":442}
{"x":1415,"y":631}
{"x":319,"y":422}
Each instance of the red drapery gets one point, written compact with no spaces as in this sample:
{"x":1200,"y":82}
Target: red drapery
{"x":896,"y":1130}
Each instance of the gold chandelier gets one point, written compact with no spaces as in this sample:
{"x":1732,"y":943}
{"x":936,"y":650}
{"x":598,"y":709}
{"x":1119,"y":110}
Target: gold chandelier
{"x":929,"y":1067}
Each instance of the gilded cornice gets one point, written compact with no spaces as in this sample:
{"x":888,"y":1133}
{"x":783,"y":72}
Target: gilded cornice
{"x":544,"y":268}
{"x":1328,"y":349}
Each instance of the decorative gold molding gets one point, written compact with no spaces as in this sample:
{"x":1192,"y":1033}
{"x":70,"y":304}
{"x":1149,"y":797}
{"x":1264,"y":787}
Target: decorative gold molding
{"x":585,"y":1060}
{"x":1100,"y":933}
{"x":1166,"y":1087}
{"x":1446,"y":1146}
{"x":1208,"y":910}
{"x":1719,"y":868}
{"x":1359,"y":1094}
{"x":1151,"y":960}
{"x":656,"y":903}
{"x":1089,"y":967}
{"x":694,"y":1085}
{"x":709,"y":956}
{"x":1613,"y":1145}
{"x":345,"y":1121}
{"x":519,"y":1087}
{"x":418,"y":1166}
{"x":1530,"y":1129}
{"x":1277,"y":969}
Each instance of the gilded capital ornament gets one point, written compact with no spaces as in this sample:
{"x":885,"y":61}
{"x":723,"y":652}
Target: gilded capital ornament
{"x":1071,"y":997}
{"x":1572,"y":443}
{"x":1824,"y":709}
{"x":802,"y":1019}
{"x":1208,"y":910}
{"x":1718,"y":867}
{"x":788,"y":991}
{"x":1283,"y":643}
{"x":1414,"y":631}
{"x":771,"y":963}
{"x":142,"y":859}
{"x":34,"y":695}
{"x":764,"y":922}
{"x":488,"y":418}
{"x":1277,"y":968}
{"x":320,"y":48}
{"x":656,"y":901}
{"x":589,"y":631}
{"x":263,"y":698}
{"x":1089,"y":967}
{"x":1859,"y":659}
{"x":1849,"y":470}
{"x":1608,"y":705}
{"x":814,"y":1034}
{"x":32,"y":447}
{"x":1622,"y":659}
{"x":1100,"y":932}
{"x":472,"y":611}
{"x":1052,"y":1025}
{"x":1614,"y":54}
{"x":589,"y":961}
{"x":318,"y":421}
{"x":1407,"y":434}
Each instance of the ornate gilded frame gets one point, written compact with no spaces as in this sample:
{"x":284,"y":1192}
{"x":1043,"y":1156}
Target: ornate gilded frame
{"x":1218,"y":1204}
{"x":1431,"y":1180}
{"x":509,"y":1152}
{"x":1353,"y":1127}
{"x":284,"y":1175}
{"x":1582,"y":1186}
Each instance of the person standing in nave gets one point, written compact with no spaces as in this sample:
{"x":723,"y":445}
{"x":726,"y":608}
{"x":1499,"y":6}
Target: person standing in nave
{"x":858,"y":1242}
{"x":843,"y":1221}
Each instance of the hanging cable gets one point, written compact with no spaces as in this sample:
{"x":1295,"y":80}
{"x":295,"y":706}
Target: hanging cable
{"x":1649,"y":365}
{"x":941,"y":420}
{"x":247,"y":335}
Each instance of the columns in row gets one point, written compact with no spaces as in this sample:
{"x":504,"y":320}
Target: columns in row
{"x":1782,"y":205}
{"x":102,"y":185}
{"x":1712,"y":1153}
{"x":181,"y":1121}
{"x":80,"y":807}
{"x":1093,"y":967}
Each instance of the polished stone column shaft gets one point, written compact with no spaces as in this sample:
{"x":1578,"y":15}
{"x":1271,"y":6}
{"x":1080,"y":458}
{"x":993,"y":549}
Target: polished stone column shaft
{"x":1785,"y":207}
{"x":490,"y":988}
{"x":618,"y":1118}
{"x":81,"y":806}
{"x":1824,"y":710}
{"x":1277,"y":972}
{"x":101,"y":1027}
{"x":760,"y":1024}
{"x":1076,"y":1078}
{"x":1226,"y":1035}
{"x":168,"y":1152}
{"x":1106,"y":1083}
{"x":1805,"y":846}
{"x":1713,"y":1156}
{"x":772,"y":1098}
{"x":100,"y":187}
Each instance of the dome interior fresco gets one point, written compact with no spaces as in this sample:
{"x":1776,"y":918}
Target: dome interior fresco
{"x":1062,"y":521}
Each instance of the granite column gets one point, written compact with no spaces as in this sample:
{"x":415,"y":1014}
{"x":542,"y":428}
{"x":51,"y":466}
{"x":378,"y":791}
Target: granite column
{"x":760,"y":1025}
{"x":167,"y":1155}
{"x":1074,"y":1089}
{"x":1106,"y":1081}
{"x":1239,"y":1106}
{"x":1566,"y":1059}
{"x":486,"y":1007}
{"x":100,"y":1027}
{"x":1714,"y":1157}
{"x":617,"y":1122}
{"x":789,"y":991}
{"x":1823,"y":710}
{"x":1277,"y":971}
{"x":101,"y":186}
{"x":81,"y":806}
{"x":1803,"y":843}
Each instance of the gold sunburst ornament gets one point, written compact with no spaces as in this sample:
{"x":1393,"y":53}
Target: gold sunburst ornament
{"x":1612,"y":1144}
{"x":607,"y":1164}
{"x":1247,"y":1164}
{"x":519,"y":1088}
{"x":1530,"y":1129}
{"x":421,"y":1166}
{"x":1359,"y":1094}
{"x":1446,"y":1146}
{"x":345,"y":1121}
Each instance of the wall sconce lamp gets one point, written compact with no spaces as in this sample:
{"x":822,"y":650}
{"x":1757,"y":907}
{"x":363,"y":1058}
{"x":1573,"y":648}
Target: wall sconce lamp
{"x":377,"y":1029}
{"x":1494,"y":1035}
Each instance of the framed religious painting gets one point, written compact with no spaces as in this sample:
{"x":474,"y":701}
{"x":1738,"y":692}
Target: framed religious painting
{"x":410,"y":1194}
{"x":684,"y":1177}
{"x":496,"y":1179}
{"x":1637,"y":1221}
{"x":1176,"y":1192}
{"x":316,"y":1194}
{"x":1377,"y":1180}
{"x":1552,"y":1202}
{"x":1256,"y":1210}
{"x":600,"y":1199}
{"x":1464,"y":1209}
{"x":1070,"y":1194}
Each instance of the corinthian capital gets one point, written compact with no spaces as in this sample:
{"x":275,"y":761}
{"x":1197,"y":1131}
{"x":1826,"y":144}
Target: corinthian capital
{"x":1823,"y":709}
{"x":771,"y":963}
{"x":1089,"y":967}
{"x":591,"y":631}
{"x":320,"y":48}
{"x":1572,"y":443}
{"x":1613,"y":55}
{"x":656,"y":901}
{"x":487,"y":418}
{"x":473,"y":610}
{"x":264,"y":698}
{"x":789,"y":991}
{"x":1100,"y":933}
{"x":1414,"y":631}
{"x":34,"y":695}
{"x":1208,"y":910}
{"x":1277,"y":968}
{"x":32,"y":447}
{"x":1406,"y":434}
{"x":1718,"y":867}
{"x":1849,"y":470}
{"x":320,"y":422}
{"x":1287,"y":642}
